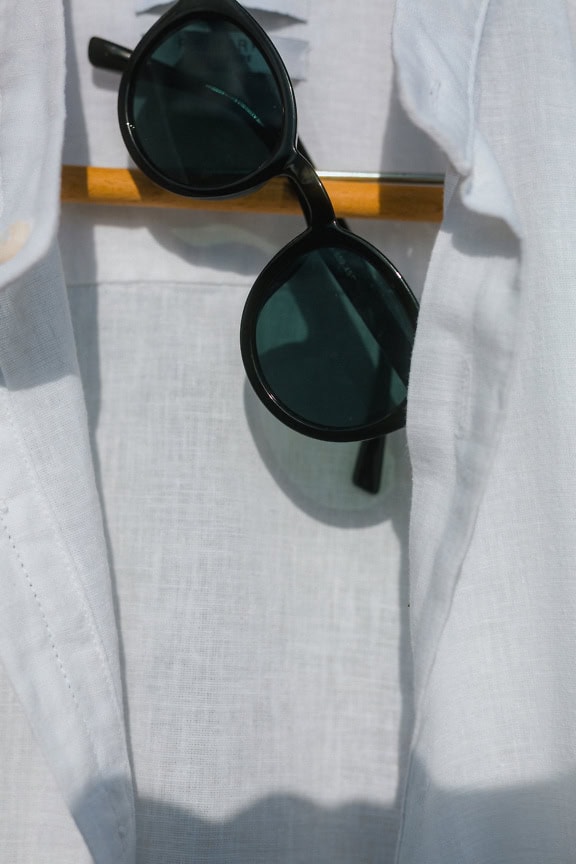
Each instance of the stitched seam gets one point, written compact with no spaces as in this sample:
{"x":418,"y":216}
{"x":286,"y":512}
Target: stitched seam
{"x":86,"y":616}
{"x":56,"y":530}
{"x":60,"y":665}
{"x":40,"y":607}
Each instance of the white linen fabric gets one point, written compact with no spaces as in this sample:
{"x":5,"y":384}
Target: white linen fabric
{"x":298,"y":9}
{"x":58,"y":637}
{"x":204,"y":626}
{"x":293,"y":8}
{"x":249,"y":599}
{"x":491,"y":425}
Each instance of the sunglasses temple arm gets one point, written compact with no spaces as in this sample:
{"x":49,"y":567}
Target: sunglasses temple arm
{"x":368,"y":468}
{"x":108,"y":55}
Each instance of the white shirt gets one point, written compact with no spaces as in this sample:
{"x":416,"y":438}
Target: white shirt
{"x":204,"y":624}
{"x":491,"y":774}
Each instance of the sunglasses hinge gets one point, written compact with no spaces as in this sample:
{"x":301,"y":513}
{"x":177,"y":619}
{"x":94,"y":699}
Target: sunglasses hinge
{"x":314,"y":200}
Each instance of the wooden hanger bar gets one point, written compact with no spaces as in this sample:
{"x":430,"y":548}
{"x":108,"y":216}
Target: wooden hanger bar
{"x":404,"y":197}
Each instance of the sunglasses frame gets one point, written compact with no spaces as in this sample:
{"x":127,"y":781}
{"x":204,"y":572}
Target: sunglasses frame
{"x":312,"y":239}
{"x":289,"y":160}
{"x":231,"y":11}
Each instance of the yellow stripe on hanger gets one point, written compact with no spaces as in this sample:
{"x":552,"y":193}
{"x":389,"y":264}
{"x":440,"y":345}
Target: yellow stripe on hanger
{"x":399,"y":197}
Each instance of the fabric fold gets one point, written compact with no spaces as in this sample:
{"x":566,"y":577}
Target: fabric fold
{"x":465,"y":344}
{"x":491,"y":586}
{"x":58,"y":637}
{"x":58,"y":634}
{"x":436,"y":60}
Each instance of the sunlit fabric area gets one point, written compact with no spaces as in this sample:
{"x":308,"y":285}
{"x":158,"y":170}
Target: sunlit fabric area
{"x":287,"y":503}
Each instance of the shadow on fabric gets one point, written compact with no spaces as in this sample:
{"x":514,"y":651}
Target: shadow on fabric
{"x":531,"y":823}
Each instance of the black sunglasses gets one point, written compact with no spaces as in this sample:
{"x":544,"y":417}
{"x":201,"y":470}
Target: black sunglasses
{"x":206,"y":109}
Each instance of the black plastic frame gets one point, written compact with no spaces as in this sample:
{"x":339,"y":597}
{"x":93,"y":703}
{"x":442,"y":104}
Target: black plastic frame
{"x":323,"y":229}
{"x":331,"y":235}
{"x":231,"y":11}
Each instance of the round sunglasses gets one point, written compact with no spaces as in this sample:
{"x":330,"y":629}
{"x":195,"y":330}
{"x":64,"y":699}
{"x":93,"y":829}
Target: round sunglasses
{"x":207,"y":110}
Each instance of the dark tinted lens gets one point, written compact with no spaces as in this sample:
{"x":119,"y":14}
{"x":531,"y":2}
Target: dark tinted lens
{"x":334,"y":341}
{"x":205,"y":105}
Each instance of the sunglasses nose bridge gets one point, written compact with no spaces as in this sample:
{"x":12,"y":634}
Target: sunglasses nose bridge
{"x":312,"y":195}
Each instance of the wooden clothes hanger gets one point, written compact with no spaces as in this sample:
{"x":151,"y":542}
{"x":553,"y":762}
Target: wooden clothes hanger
{"x":403,"y":197}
